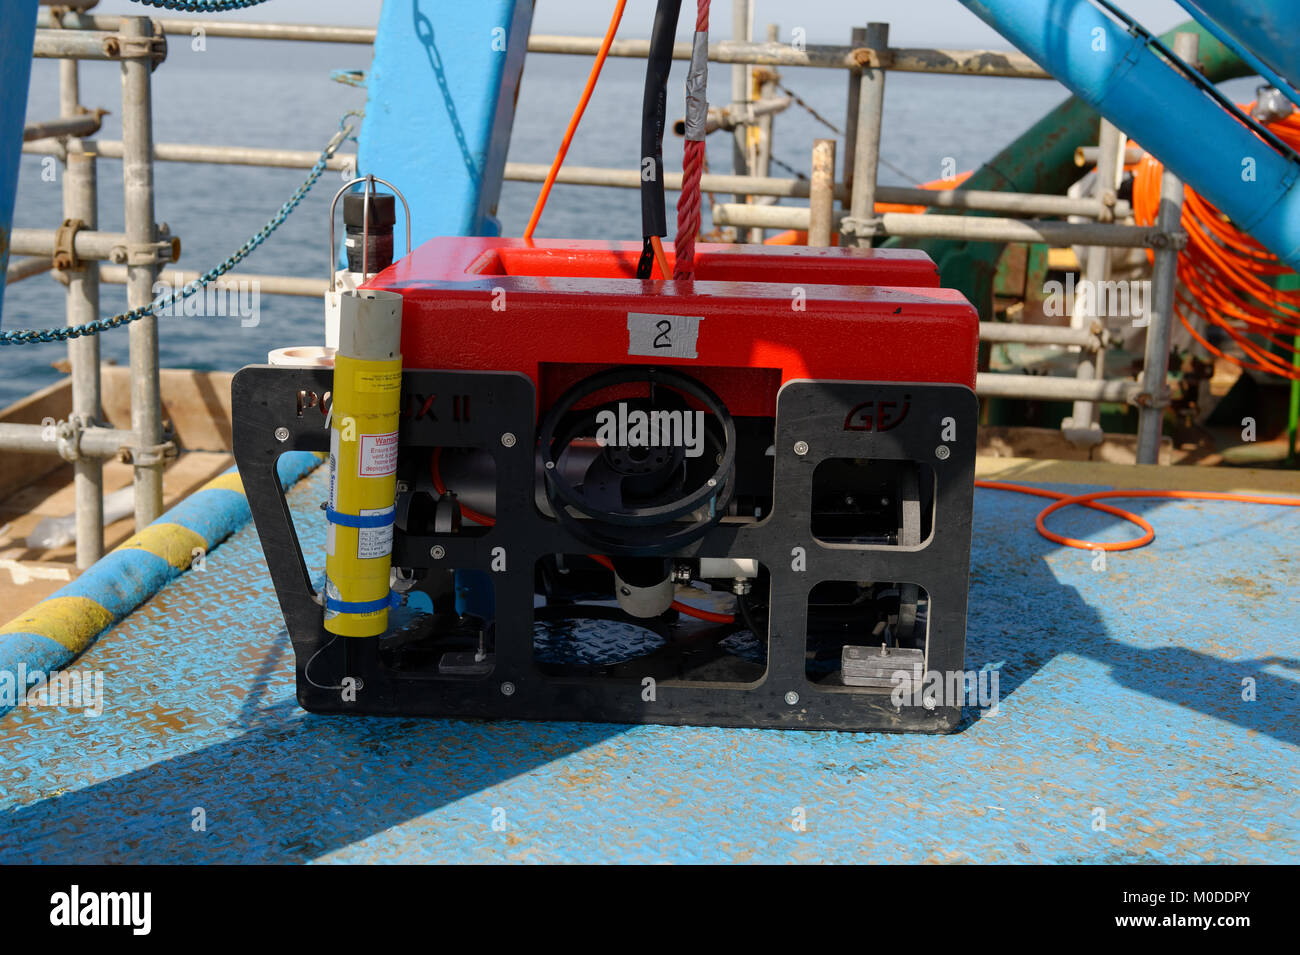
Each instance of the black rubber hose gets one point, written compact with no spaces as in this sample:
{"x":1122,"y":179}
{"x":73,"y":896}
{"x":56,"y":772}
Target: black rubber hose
{"x":654,"y":111}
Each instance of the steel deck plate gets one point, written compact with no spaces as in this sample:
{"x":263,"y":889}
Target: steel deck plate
{"x":1121,"y":693}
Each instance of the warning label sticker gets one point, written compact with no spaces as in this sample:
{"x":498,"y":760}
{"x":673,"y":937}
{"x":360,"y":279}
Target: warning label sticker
{"x":377,"y":455}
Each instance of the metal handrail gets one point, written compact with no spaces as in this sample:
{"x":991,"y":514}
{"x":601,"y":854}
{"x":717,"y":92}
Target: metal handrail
{"x":866,"y":60}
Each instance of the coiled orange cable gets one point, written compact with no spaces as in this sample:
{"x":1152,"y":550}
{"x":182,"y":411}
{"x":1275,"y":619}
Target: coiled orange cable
{"x":1223,"y":274}
{"x":1090,"y":500}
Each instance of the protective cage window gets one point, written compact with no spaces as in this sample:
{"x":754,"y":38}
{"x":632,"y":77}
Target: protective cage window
{"x":686,"y":619}
{"x":865,"y":634}
{"x":872,"y":502}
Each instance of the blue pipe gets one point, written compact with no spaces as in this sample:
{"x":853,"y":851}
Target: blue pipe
{"x":1115,"y":73}
{"x":1236,"y":46}
{"x":16,"y":38}
{"x":1266,"y":27}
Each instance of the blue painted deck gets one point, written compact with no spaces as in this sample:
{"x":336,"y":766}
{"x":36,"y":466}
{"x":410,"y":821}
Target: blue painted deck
{"x":1121,"y":691}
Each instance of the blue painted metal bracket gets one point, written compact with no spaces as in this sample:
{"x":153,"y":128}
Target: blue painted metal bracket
{"x":440,"y":107}
{"x":16,"y":39}
{"x":1116,"y":73}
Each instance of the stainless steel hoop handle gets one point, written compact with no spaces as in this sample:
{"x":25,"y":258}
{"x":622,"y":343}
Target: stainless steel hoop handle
{"x":370,"y":181}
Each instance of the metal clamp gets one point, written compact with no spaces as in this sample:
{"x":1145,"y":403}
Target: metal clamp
{"x":867,"y":58}
{"x":1176,"y":240}
{"x":153,"y":48}
{"x":166,"y":248}
{"x":67,"y":438}
{"x":148,"y":253}
{"x":1144,"y":399}
{"x":147,"y":457}
{"x":860,"y":228}
{"x":65,"y":239}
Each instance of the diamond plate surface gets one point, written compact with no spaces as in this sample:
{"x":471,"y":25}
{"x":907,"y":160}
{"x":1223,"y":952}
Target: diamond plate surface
{"x":1121,"y":691}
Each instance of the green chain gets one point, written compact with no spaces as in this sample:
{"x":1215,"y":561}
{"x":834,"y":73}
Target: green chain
{"x":28,"y":336}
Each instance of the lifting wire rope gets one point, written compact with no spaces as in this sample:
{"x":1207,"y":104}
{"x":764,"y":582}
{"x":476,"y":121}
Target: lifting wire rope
{"x":697,"y":111}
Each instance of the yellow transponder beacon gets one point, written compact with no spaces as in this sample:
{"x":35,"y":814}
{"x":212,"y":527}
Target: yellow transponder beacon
{"x":366,"y":402}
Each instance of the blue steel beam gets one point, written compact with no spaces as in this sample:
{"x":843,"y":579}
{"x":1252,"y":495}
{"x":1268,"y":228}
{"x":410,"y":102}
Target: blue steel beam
{"x":1118,"y":75}
{"x":440,"y":106}
{"x":17,"y":34}
{"x":1265,"y":27}
{"x":1229,"y":40}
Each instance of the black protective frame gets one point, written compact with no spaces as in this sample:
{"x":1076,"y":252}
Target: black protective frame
{"x":930,"y":423}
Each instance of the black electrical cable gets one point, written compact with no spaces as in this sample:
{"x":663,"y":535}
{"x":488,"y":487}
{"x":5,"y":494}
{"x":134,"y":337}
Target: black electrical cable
{"x":654,"y":113}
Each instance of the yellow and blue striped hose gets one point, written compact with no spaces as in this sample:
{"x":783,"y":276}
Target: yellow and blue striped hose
{"x":56,"y":630}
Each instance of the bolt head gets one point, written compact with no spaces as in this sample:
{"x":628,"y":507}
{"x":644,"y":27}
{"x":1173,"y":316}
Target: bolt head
{"x":792,"y":698}
{"x":942,"y":452}
{"x":508,"y":440}
{"x":282,"y":434}
{"x":507,"y":688}
{"x":801,"y":447}
{"x":437,"y":552}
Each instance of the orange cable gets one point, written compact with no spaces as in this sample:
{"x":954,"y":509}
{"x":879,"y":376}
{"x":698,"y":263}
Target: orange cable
{"x":658,"y":245}
{"x":1222,"y":274}
{"x":1089,"y":500}
{"x":575,"y":119}
{"x":435,"y":472}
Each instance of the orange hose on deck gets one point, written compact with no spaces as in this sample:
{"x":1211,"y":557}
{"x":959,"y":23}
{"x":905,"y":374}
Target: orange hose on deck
{"x":1090,"y":500}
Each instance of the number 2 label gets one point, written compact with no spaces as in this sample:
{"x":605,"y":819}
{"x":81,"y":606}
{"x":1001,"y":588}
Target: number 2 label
{"x":674,"y":336}
{"x":661,"y":340}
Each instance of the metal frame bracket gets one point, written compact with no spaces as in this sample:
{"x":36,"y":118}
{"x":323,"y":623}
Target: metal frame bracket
{"x":153,"y":48}
{"x":860,"y":228}
{"x":150,"y":456}
{"x":868,"y":58}
{"x":65,"y":253}
{"x":67,"y":438}
{"x":147,"y":253}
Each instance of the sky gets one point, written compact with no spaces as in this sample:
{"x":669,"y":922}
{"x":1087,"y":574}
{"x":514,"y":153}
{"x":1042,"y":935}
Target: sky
{"x":912,"y":22}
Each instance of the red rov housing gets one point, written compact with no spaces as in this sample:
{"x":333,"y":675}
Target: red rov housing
{"x":743,"y":500}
